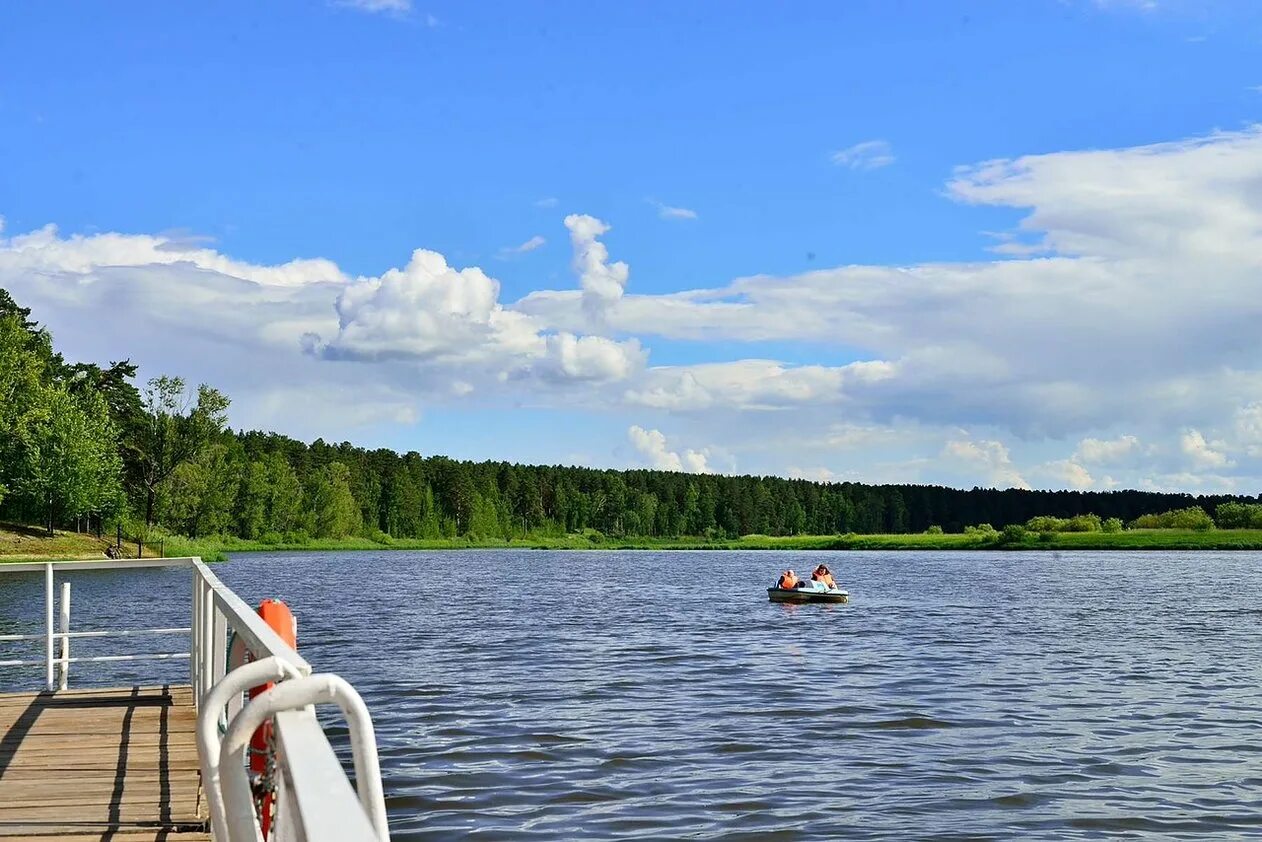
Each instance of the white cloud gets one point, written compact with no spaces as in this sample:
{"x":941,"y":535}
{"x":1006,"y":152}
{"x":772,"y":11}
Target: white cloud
{"x":603,"y":282}
{"x":535,"y":242}
{"x":1247,"y":425}
{"x":431,"y":313}
{"x":1200,"y":453}
{"x":1095,"y":451}
{"x":1136,"y":5}
{"x":1066,"y":472}
{"x":668,"y":212}
{"x":652,"y":447}
{"x":546,"y":202}
{"x":1139,"y":314}
{"x":989,"y":460}
{"x":868,"y":155}
{"x":376,"y":6}
{"x":749,"y":385}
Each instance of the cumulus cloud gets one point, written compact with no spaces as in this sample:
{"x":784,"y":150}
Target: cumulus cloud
{"x":652,"y":447}
{"x":427,"y":311}
{"x":868,"y":155}
{"x":1200,"y":453}
{"x":1066,"y":472}
{"x":989,"y":460}
{"x":603,"y":282}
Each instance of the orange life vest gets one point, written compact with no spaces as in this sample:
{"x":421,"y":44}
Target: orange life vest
{"x":787,"y":582}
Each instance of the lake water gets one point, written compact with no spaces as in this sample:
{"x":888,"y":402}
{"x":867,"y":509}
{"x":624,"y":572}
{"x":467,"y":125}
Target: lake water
{"x":660,"y":695}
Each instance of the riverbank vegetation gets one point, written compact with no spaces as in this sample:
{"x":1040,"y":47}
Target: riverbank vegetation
{"x":25,"y":543}
{"x":83,"y":448}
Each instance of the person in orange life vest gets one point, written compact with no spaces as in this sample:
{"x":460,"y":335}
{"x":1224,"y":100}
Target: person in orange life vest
{"x":788,"y":580}
{"x":825,"y":576}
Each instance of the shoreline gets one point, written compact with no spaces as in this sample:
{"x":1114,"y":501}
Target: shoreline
{"x":1134,"y":540}
{"x":1153,"y":540}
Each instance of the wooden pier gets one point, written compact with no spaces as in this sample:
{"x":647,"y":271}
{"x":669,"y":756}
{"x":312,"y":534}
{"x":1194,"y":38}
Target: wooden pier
{"x":117,"y":765}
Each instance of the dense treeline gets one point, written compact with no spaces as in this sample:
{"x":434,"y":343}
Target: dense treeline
{"x":80,"y":443}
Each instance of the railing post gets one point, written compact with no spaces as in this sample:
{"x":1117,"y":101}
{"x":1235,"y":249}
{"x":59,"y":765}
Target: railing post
{"x":208,"y":617}
{"x":194,"y":632}
{"x":49,"y":678}
{"x":65,"y":637}
{"x":219,"y":649}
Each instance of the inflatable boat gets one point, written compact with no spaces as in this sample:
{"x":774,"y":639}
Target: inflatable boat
{"x":808,"y":592}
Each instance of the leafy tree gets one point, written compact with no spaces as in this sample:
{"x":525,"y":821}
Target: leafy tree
{"x":67,"y":456}
{"x":198,"y":496}
{"x":1192,"y":517}
{"x":336,"y":513}
{"x":175,"y":428}
{"x":1238,"y":515}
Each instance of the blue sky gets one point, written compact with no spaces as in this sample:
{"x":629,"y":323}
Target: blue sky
{"x":358,"y":132}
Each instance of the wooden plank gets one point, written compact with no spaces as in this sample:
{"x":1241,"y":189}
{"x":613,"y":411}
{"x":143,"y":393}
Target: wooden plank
{"x":117,"y":764}
{"x":123,"y":836}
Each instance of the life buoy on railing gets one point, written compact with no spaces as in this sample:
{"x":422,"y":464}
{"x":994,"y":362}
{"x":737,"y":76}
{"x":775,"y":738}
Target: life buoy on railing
{"x":282,"y":621}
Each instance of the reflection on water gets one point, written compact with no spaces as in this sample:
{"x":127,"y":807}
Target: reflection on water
{"x":650,"y":695}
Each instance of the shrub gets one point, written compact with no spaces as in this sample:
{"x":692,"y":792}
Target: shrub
{"x":1013,"y":533}
{"x":1193,"y":517}
{"x":934,"y":530}
{"x":377,"y":536}
{"x":983,"y":529}
{"x":271,"y":538}
{"x":1238,"y":516}
{"x":1083,"y":523}
{"x":1077,"y":523}
{"x":1113,"y":524}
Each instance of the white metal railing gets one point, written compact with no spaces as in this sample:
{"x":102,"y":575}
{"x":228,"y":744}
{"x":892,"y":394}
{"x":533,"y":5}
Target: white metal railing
{"x":53,"y":661}
{"x":315,"y":801}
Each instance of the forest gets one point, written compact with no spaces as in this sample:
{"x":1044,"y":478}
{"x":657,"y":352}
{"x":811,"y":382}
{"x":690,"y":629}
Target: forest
{"x":83,"y":446}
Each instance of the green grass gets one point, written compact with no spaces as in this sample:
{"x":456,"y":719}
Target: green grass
{"x":19,"y":543}
{"x":1138,"y":539}
{"x":32,"y":543}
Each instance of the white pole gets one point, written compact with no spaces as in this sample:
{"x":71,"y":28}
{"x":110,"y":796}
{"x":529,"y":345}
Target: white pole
{"x":195,"y":640}
{"x":49,"y":679}
{"x":65,"y":636}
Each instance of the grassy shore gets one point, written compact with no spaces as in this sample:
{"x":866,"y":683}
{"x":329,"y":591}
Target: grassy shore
{"x":1135,"y":539}
{"x":32,"y":543}
{"x":25,"y":543}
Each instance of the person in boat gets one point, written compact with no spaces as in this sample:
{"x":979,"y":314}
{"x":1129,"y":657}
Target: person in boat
{"x":824,"y":576}
{"x":788,"y":581}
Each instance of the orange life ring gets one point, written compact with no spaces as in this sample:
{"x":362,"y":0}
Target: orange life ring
{"x":282,"y":621}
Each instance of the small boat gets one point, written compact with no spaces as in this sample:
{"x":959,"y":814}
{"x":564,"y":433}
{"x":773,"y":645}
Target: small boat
{"x":810,"y":592}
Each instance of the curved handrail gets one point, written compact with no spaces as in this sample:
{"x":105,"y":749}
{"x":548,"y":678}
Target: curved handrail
{"x":289,"y":695}
{"x":238,"y":681}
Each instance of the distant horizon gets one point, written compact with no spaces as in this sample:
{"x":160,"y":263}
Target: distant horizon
{"x":986,"y":246}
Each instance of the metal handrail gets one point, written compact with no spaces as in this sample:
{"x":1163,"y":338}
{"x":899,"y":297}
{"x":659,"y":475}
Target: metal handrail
{"x":51,"y":661}
{"x":315,"y":797}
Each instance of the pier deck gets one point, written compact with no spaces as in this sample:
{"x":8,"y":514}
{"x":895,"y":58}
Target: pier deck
{"x":117,"y":765}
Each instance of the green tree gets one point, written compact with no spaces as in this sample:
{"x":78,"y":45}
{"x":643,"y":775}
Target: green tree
{"x":199,"y":494}
{"x":67,"y":455}
{"x":175,"y":428}
{"x":336,"y":511}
